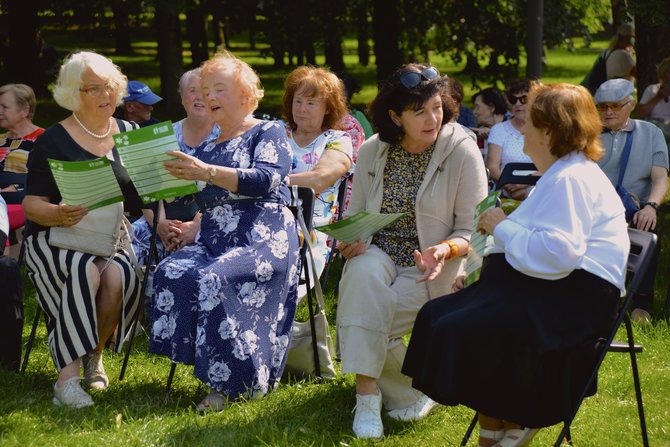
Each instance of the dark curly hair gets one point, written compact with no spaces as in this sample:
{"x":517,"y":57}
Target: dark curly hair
{"x":394,"y":96}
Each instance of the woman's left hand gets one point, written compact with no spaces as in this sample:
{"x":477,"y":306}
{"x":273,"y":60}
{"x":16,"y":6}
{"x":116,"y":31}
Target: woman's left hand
{"x":430,"y":261}
{"x":489,"y":219}
{"x":186,"y":167}
{"x":518,"y":192}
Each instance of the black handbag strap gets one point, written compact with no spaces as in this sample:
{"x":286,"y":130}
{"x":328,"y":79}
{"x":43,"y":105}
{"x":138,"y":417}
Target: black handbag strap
{"x":624,"y":158}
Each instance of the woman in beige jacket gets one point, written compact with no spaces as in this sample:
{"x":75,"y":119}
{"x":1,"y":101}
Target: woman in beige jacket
{"x":419,"y":164}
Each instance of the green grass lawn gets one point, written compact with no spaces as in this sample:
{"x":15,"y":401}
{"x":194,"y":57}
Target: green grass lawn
{"x":136,"y":412}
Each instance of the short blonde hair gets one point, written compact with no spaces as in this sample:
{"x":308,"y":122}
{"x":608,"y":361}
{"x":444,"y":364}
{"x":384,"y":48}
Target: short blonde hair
{"x":24,"y":95}
{"x":318,"y":83}
{"x":66,"y":91}
{"x":569,"y":114}
{"x":245,"y":76}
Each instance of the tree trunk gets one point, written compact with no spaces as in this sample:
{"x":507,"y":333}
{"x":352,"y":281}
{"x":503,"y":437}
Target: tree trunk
{"x":332,"y":41}
{"x":652,"y":44}
{"x":196,"y":29}
{"x":121,"y":27}
{"x":169,"y":51}
{"x":22,"y":55}
{"x":535,"y":11}
{"x":652,"y":38}
{"x":362,"y":32}
{"x":250,"y":10}
{"x":386,"y":25}
{"x":619,"y":14}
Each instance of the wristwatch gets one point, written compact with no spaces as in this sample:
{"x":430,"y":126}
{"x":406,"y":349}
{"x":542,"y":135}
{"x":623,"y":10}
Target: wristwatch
{"x":212,"y":173}
{"x":654,"y":205}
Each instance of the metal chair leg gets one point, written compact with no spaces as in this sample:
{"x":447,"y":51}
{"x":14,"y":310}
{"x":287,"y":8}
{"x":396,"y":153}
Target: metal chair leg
{"x":31,"y":338}
{"x":636,"y":381}
{"x":471,"y":428}
{"x":170,"y":377}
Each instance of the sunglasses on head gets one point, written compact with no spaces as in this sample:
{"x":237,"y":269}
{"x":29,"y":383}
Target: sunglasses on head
{"x":513,"y":99}
{"x":411,"y":79}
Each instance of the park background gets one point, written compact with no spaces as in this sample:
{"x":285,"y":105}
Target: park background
{"x":479,"y":42}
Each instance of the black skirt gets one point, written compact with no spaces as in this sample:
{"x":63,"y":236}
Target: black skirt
{"x":512,"y":346}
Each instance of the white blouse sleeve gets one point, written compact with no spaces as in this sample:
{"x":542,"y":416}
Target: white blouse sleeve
{"x":547,"y":236}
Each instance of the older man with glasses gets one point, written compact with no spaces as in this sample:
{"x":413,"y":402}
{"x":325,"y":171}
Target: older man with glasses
{"x":636,"y":162}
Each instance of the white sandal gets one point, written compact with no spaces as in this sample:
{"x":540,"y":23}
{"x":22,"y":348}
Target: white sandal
{"x":517,"y":437}
{"x":491,"y":435}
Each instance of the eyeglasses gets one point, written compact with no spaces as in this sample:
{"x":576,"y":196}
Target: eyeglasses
{"x":613,"y":106}
{"x":98,"y":90}
{"x":411,"y":79}
{"x":523,"y":99}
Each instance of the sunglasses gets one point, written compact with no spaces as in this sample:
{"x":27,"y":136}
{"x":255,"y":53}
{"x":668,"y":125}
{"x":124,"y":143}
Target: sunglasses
{"x":513,"y":99}
{"x":411,"y":79}
{"x":614,"y":107}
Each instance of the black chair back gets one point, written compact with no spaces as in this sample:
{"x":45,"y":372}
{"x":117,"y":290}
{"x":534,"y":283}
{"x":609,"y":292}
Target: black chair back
{"x":519,"y":174}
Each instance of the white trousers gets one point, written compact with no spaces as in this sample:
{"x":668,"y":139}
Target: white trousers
{"x":378,"y":303}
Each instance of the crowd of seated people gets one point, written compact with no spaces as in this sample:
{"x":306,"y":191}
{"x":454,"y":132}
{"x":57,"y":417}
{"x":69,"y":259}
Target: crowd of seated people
{"x":225,"y":291}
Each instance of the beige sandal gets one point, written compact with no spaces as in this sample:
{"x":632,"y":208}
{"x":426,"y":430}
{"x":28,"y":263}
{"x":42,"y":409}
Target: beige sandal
{"x":214,"y":401}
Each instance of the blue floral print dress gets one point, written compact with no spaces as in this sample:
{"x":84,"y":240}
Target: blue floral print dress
{"x":226,"y":303}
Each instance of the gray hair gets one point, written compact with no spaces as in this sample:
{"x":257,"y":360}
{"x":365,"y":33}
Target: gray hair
{"x":24,"y":95}
{"x":66,"y":91}
{"x":186,"y":77}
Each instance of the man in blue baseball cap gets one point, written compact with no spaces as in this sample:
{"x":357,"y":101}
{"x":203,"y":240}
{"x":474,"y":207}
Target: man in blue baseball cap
{"x":138,"y":105}
{"x":645,"y":173}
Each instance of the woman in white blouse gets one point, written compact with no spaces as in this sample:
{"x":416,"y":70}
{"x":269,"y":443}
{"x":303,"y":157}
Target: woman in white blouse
{"x":518,"y":345}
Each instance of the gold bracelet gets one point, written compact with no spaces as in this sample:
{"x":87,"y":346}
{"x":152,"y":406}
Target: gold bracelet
{"x":453,"y":249}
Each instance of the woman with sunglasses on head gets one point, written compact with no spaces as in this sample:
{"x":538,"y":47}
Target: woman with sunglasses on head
{"x":505,"y":143}
{"x":420,"y":164}
{"x":84,"y":296}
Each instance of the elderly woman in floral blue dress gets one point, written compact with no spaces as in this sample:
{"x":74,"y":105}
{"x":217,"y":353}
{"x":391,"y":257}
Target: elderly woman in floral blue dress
{"x":225,"y":303}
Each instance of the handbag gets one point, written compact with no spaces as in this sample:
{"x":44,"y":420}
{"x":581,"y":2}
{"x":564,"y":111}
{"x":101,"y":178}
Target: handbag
{"x":631,"y":202}
{"x":302,"y":352}
{"x":97,"y":233}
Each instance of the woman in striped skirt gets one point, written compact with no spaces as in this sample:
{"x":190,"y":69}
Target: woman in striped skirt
{"x":84,"y":296}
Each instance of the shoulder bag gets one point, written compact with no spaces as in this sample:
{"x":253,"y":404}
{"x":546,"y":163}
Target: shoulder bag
{"x":630,"y":201}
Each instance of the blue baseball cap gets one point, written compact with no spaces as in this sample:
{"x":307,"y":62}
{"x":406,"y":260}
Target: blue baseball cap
{"x":140,"y":92}
{"x":614,"y":90}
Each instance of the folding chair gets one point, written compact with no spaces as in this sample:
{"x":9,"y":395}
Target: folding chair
{"x":641,"y":251}
{"x":302,"y":206}
{"x":152,"y":257}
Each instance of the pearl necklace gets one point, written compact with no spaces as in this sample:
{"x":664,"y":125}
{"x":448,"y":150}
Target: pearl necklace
{"x":94,"y":135}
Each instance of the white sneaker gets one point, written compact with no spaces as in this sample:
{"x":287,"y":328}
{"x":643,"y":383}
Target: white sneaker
{"x":71,"y":394}
{"x":368,"y":417}
{"x":414,"y":412}
{"x":95,"y":376}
